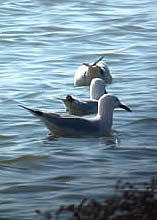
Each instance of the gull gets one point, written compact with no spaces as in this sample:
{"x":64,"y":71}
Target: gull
{"x":77,"y":126}
{"x":75,"y":106}
{"x":88,"y":71}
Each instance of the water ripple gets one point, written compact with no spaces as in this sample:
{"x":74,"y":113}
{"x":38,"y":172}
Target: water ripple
{"x":42,"y":44}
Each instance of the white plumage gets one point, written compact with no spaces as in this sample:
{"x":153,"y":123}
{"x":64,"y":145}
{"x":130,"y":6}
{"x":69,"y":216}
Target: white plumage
{"x":76,"y":126}
{"x":81,"y":107}
{"x":86,"y":72}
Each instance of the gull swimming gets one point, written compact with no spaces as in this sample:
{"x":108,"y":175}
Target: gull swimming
{"x":76,"y":126}
{"x":75,"y":106}
{"x":88,"y":71}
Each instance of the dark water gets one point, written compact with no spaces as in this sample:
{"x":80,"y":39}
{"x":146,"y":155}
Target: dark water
{"x":42,"y":43}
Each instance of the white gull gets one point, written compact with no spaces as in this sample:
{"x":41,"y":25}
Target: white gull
{"x":76,"y":126}
{"x":88,"y":71}
{"x":81,"y":107}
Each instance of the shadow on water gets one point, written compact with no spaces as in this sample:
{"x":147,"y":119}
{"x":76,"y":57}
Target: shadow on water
{"x":110,"y":141}
{"x":24,"y":158}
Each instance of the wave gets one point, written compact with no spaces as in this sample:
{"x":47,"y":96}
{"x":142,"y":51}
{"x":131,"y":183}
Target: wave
{"x":24,"y":158}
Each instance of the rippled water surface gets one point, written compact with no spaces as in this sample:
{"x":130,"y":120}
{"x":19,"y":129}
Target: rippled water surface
{"x":42,"y":43}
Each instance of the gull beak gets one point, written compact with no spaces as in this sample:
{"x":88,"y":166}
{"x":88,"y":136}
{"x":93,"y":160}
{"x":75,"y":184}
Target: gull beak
{"x":125,"y":107}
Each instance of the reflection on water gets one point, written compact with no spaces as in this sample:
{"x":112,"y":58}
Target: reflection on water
{"x":42,"y":43}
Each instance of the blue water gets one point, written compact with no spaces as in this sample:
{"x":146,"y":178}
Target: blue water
{"x":42,"y":43}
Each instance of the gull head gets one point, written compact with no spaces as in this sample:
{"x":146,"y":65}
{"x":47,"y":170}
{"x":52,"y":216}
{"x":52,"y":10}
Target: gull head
{"x":107,"y":103}
{"x":97,"y":88}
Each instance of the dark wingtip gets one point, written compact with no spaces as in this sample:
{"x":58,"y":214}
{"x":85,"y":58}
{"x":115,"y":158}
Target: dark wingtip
{"x":37,"y":112}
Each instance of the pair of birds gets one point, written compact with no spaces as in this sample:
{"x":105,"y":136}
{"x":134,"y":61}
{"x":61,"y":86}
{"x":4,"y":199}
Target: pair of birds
{"x":97,"y":75}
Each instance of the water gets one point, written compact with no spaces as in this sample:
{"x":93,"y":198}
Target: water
{"x":42,"y":43}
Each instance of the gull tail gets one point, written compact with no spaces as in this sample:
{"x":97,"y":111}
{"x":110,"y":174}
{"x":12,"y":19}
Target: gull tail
{"x":95,"y":63}
{"x":34,"y":112}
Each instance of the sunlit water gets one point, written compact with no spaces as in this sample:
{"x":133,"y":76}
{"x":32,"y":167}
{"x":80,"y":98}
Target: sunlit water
{"x":42,"y":43}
